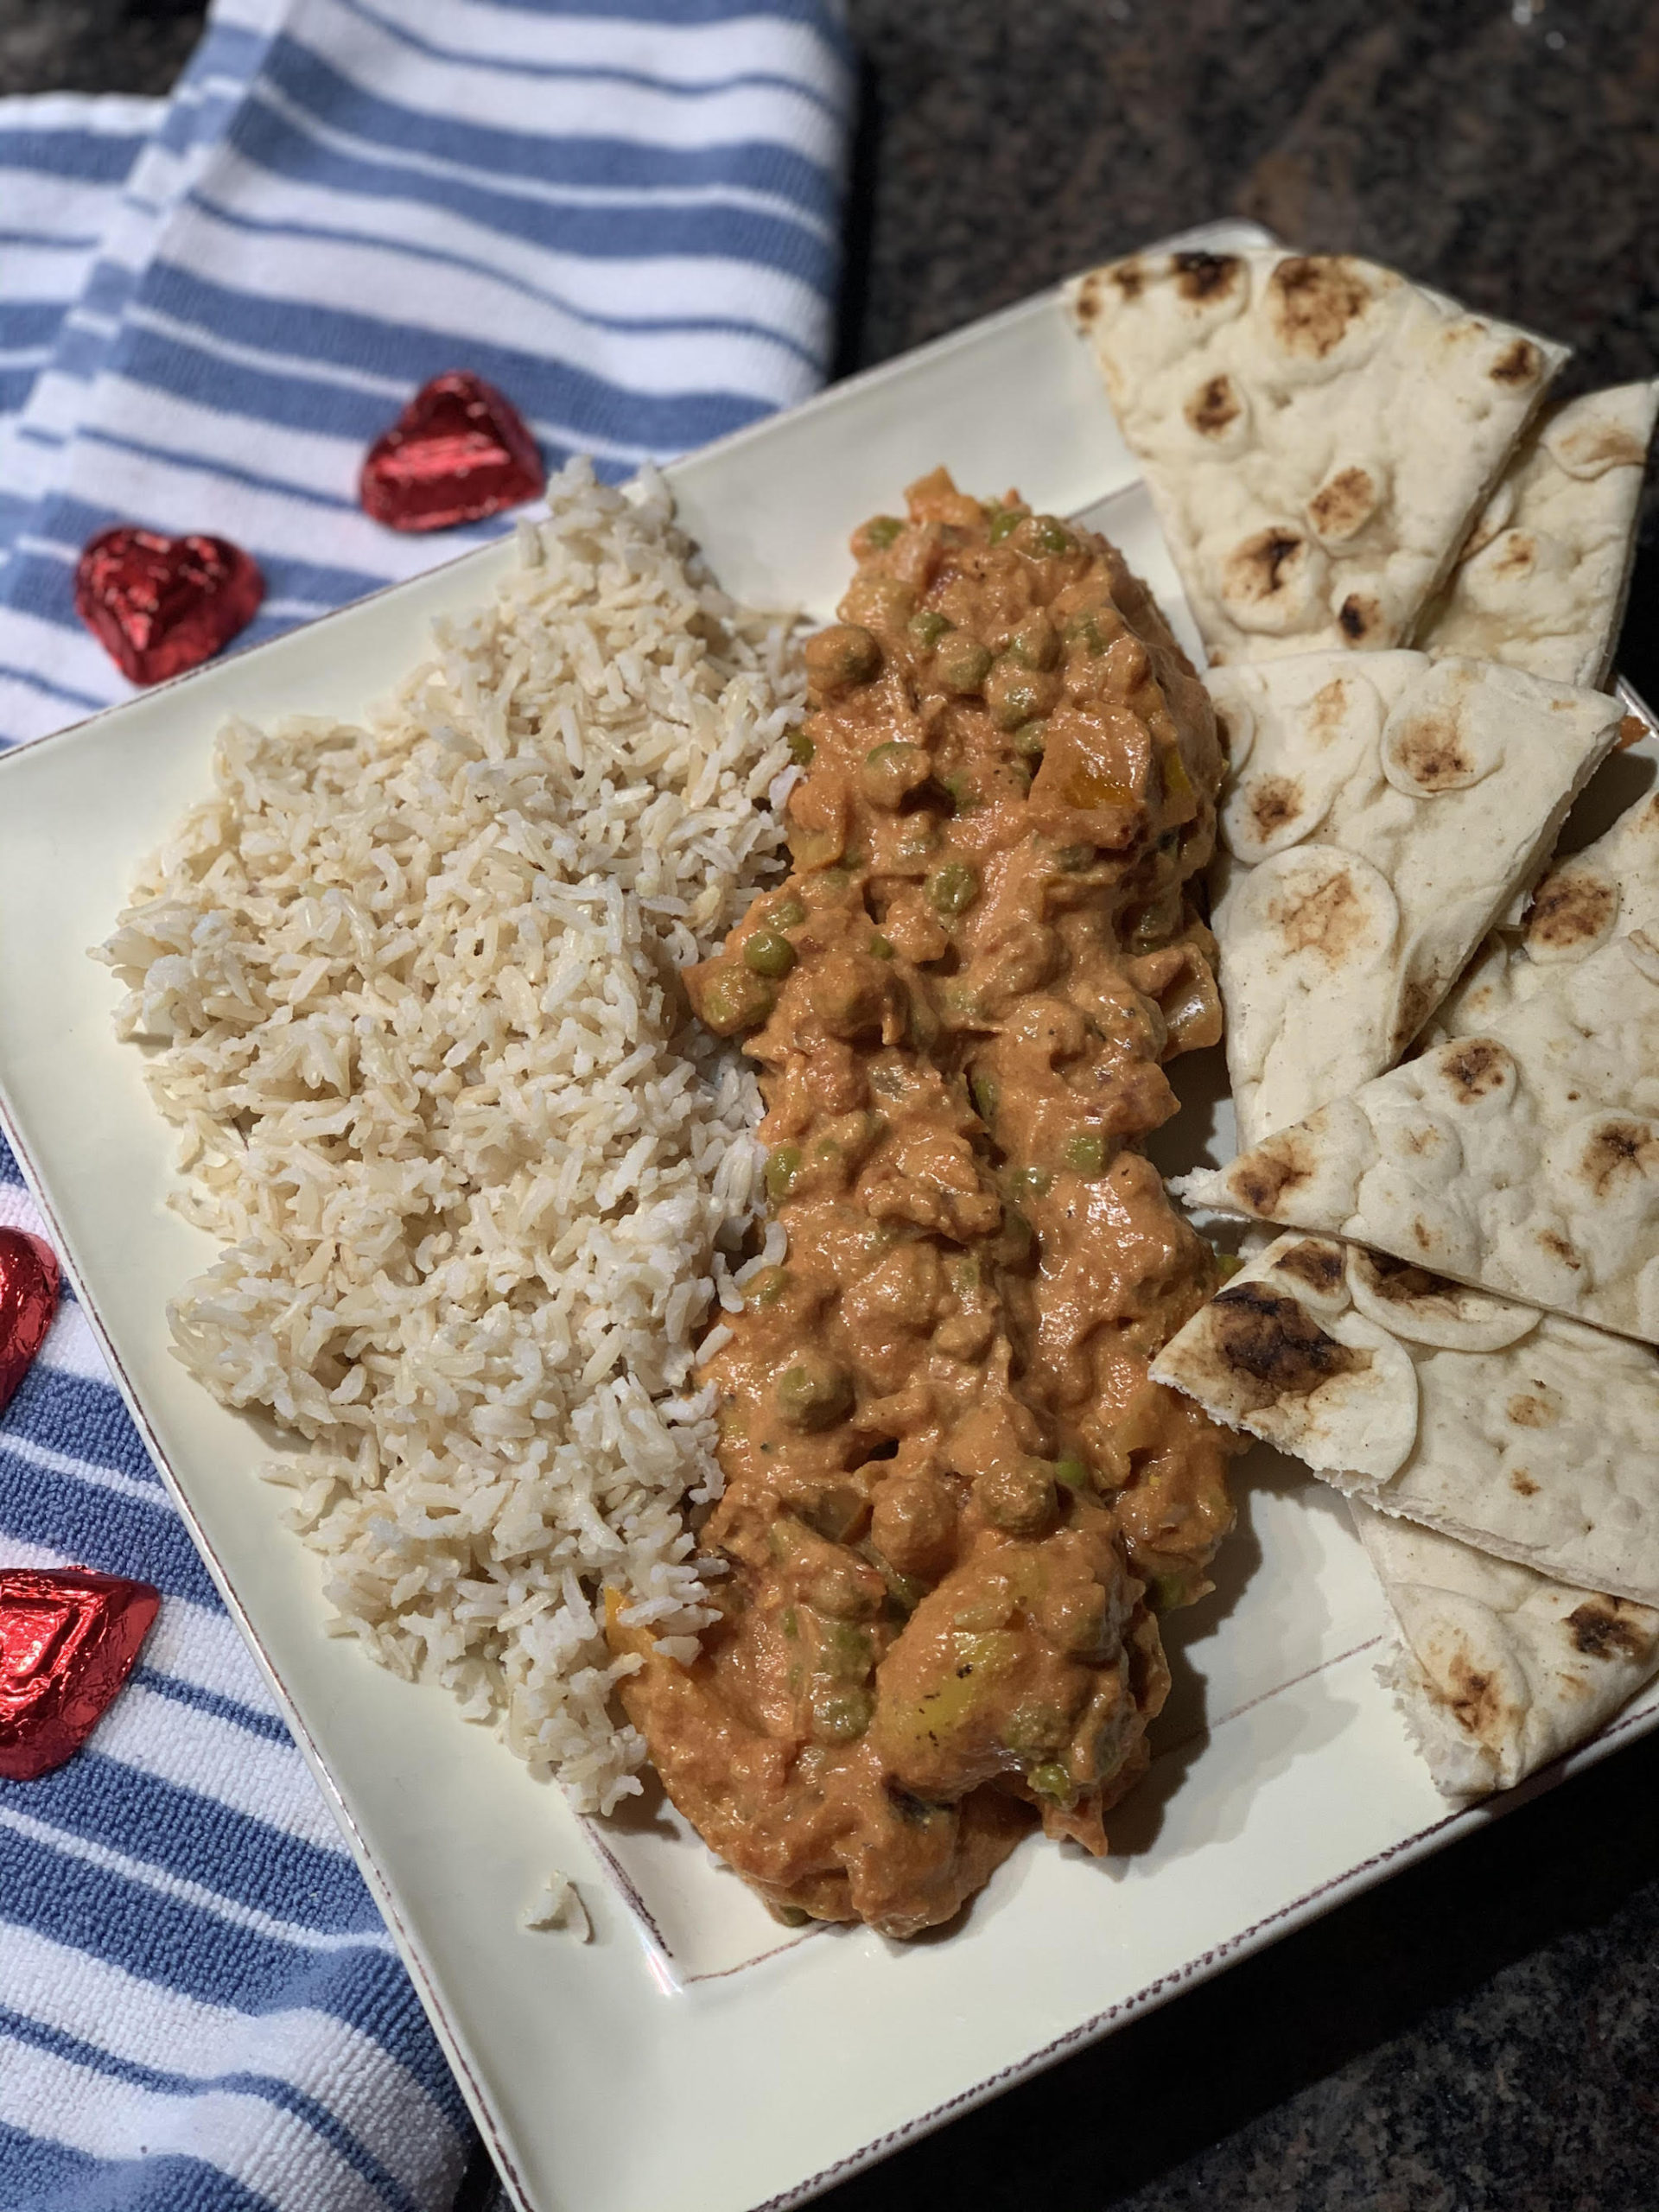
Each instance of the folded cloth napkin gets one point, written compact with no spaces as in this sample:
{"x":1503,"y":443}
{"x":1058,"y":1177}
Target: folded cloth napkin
{"x":625,"y":217}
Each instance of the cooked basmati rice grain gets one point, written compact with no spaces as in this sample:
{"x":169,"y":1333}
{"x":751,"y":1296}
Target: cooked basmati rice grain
{"x":477,"y":1176}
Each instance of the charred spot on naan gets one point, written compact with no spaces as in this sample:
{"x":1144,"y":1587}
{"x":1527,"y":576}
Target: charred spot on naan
{"x":1609,"y":1628}
{"x":1422,"y":994}
{"x":1326,"y":713}
{"x":1618,"y":1148}
{"x":1271,"y":1348}
{"x":1277,"y":1164}
{"x":1343,"y":504}
{"x":1214,"y":407}
{"x":1361,"y":620}
{"x":1318,"y":1264}
{"x":1571,"y":908}
{"x":1273,"y":803}
{"x":1561,"y":1248}
{"x":1475,"y":1069}
{"x":1520,"y":362}
{"x":1206,"y":275}
{"x":1331,"y":919}
{"x":1594,"y":447}
{"x":1473,"y":1698}
{"x":1516,"y":555}
{"x":1312,"y":301}
{"x":1431,"y":751}
{"x":1265,"y":565}
{"x":1401,"y":1281}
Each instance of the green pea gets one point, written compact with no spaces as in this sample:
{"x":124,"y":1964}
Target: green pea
{"x":1047,"y":534}
{"x":786,"y":916}
{"x":734,"y":999}
{"x":1005,"y":522}
{"x":929,"y":627}
{"x":880,"y":948}
{"x":812,"y":1394}
{"x":953,"y":888}
{"x":1034,"y":645}
{"x":1086,"y":1152}
{"x":783,"y":1165}
{"x":765,"y":1290}
{"x":963,"y":796}
{"x":922,"y":1024}
{"x":769,"y":952}
{"x":1075,"y":858}
{"x":1038,"y":1180}
{"x":893,"y":771}
{"x":1169,"y":1592}
{"x":1034,"y":1726}
{"x":882,"y":530}
{"x":963,"y":662}
{"x":984,"y":1091}
{"x":1074,"y":1473}
{"x":843,"y":1718}
{"x":1032,"y":738}
{"x":1052,"y":1780}
{"x":839,"y":1513}
{"x":801,"y":748}
{"x":904,"y":1590}
{"x":1014,"y":699}
{"x":1086,"y":632}
{"x":845,"y":1653}
{"x":878,"y":602}
{"x":842,"y":656}
{"x":1019,"y":1498}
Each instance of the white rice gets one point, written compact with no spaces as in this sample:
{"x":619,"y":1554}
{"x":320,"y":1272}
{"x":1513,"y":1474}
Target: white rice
{"x":477,"y":1179}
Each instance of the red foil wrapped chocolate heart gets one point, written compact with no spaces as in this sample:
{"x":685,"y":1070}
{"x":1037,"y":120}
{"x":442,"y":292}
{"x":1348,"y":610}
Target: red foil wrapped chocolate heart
{"x":160,"y":604}
{"x":458,"y":452}
{"x":68,"y":1639}
{"x":28,"y":1299}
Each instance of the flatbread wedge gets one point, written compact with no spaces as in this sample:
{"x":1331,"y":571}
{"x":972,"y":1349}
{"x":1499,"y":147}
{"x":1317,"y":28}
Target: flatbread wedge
{"x":1577,"y":906}
{"x":1530,"y":1436}
{"x":1499,"y":1670}
{"x":1379,"y":814}
{"x":1317,"y":434}
{"x":1541,"y":584}
{"x":1524,"y":1160}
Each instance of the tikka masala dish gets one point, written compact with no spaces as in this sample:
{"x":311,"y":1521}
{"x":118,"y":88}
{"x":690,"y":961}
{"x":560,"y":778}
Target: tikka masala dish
{"x":955,"y":1503}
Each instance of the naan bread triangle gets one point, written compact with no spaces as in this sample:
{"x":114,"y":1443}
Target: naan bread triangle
{"x":1524,"y":1160}
{"x":1528,"y":1436}
{"x":1499,"y":1670}
{"x":1317,"y":434}
{"x":1541,"y":582}
{"x":1503,"y":1468}
{"x":1575,"y":908}
{"x":1378,"y":814}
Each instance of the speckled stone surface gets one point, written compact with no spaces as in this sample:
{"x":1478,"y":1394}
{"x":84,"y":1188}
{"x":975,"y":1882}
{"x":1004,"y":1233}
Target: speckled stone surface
{"x":1481,"y":2032}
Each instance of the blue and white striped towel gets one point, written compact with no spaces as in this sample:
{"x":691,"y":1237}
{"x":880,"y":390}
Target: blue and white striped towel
{"x":207,"y":307}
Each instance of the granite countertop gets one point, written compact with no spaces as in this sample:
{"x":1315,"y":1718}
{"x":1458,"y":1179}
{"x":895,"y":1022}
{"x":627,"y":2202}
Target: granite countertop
{"x":1481,"y":2032}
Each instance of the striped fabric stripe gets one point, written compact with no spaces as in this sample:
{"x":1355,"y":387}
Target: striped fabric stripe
{"x":626,"y":213}
{"x":63,"y":165}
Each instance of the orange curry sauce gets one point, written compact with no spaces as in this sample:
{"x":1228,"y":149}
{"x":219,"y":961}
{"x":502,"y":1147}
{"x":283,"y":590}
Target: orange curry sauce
{"x":955,"y":1503}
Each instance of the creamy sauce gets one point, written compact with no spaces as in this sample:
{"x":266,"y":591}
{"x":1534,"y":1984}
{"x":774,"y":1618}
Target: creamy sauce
{"x":955,"y":1501}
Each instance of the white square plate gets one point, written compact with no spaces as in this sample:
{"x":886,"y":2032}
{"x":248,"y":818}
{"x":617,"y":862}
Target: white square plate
{"x":602,"y":2074}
